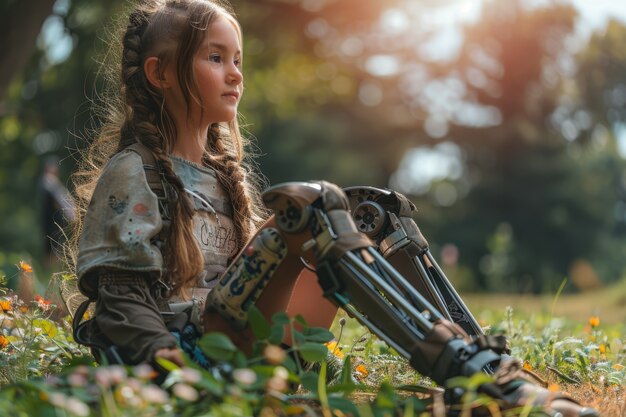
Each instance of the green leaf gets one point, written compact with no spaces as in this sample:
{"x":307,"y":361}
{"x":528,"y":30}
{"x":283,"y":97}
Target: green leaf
{"x":386,"y":397}
{"x":309,"y":381}
{"x":301,"y":320}
{"x":317,"y":334}
{"x":209,"y":383}
{"x":259,"y":324}
{"x":415,"y":388}
{"x":277,"y":333}
{"x":46,"y":326}
{"x":344,"y":405}
{"x":346,"y":371}
{"x":347,"y":388}
{"x":290,"y":364}
{"x":217,"y":346}
{"x":312,"y":352}
{"x":298,"y":337}
{"x":280,"y":318}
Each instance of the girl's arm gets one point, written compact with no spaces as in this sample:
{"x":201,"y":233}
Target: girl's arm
{"x":129,"y":318}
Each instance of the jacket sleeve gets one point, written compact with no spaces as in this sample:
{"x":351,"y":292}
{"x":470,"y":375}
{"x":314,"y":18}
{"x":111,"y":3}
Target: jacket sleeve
{"x":121,"y":221}
{"x":127,"y":315}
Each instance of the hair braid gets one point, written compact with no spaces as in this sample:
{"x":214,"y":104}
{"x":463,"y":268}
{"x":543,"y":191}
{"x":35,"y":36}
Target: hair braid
{"x":182,"y":256}
{"x":232,"y":176}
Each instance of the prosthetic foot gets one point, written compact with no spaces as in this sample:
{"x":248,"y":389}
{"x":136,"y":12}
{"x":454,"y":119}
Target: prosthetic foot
{"x":313,"y":220}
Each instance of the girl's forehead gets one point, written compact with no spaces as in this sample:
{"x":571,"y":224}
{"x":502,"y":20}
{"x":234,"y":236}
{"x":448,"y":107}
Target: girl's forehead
{"x":223,"y":33}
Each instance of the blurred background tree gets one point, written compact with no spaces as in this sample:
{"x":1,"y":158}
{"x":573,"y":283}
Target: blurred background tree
{"x":503,"y":128}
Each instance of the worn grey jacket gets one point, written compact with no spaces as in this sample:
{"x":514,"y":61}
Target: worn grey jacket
{"x":119,"y":257}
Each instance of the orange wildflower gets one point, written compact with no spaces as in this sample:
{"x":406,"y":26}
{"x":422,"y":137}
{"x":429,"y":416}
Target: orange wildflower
{"x":602,"y":349}
{"x":618,"y":367}
{"x":553,"y":388}
{"x":594,"y":321}
{"x":527,"y":366}
{"x":25,"y":267}
{"x":42,"y":302}
{"x":3,"y":341}
{"x":362,"y":370}
{"x":5,"y":305}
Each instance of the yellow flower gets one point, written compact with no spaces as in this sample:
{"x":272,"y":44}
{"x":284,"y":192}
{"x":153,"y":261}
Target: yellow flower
{"x":25,"y":267}
{"x":3,"y":341}
{"x":334,"y":349}
{"x":602,"y":349}
{"x":5,"y":305}
{"x":618,"y":367}
{"x":594,"y":321}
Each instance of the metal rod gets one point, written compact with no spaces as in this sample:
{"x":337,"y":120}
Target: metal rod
{"x":394,"y":297}
{"x":471,"y":319}
{"x":374,"y":329}
{"x":402,"y":315}
{"x":425,"y":304}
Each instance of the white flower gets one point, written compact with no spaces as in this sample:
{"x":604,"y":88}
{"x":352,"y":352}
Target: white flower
{"x":154,"y":394}
{"x":76,"y":380}
{"x":77,"y":407}
{"x":244,"y":376}
{"x":281,"y":372}
{"x":185,"y":392}
{"x":57,"y":399}
{"x":103,"y":377}
{"x":118,"y":373}
{"x":190,"y":375}
{"x":143,"y":371}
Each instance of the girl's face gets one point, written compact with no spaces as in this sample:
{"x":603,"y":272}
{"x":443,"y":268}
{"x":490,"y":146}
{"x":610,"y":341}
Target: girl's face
{"x":218,"y":74}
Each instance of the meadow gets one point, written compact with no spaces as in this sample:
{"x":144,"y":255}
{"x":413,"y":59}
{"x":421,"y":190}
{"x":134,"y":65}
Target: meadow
{"x":575,"y":343}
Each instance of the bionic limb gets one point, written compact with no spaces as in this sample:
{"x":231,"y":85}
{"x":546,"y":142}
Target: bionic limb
{"x":385,"y":217}
{"x":312,"y":219}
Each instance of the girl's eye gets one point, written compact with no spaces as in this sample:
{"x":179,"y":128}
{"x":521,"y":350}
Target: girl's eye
{"x":237,"y":62}
{"x":215,"y":58}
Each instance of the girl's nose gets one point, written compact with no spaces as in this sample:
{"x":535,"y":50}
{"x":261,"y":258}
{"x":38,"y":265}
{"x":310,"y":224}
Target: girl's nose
{"x":235,"y":76}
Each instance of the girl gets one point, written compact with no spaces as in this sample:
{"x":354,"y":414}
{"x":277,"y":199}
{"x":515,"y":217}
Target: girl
{"x":147,"y":246}
{"x":141,"y":255}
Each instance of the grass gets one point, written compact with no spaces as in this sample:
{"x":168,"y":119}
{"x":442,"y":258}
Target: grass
{"x":574,"y":343}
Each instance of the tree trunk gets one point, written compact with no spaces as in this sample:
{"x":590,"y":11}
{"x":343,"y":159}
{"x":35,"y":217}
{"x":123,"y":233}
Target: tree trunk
{"x":19,"y":26}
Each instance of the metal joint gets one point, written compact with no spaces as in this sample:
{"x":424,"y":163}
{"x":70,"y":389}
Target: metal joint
{"x":395,"y":240}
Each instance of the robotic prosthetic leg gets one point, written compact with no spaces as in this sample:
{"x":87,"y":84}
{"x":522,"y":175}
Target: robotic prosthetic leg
{"x":385,"y":217}
{"x":358,"y":279}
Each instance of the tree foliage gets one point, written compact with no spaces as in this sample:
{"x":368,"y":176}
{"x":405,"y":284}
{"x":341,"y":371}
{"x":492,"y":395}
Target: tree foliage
{"x":530,"y":183}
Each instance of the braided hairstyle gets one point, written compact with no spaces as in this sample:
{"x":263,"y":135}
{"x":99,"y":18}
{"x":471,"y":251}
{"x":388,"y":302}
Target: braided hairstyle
{"x":172,"y":30}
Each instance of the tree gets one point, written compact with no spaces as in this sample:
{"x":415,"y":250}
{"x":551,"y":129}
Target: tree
{"x":20,"y":23}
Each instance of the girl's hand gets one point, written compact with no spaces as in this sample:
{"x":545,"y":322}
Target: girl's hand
{"x":171,"y":354}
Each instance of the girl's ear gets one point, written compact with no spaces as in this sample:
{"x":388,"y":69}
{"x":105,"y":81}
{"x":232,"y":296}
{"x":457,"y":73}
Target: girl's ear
{"x":154,"y":73}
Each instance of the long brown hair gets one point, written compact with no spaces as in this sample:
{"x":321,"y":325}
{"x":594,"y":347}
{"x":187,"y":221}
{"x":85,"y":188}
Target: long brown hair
{"x":171,"y":30}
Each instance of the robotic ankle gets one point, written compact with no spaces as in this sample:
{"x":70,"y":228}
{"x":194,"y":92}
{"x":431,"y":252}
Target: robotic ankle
{"x":447,"y":351}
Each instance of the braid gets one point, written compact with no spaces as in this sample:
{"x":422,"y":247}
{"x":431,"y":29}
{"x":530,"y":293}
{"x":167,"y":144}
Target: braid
{"x":232,"y":176}
{"x":182,"y":256}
